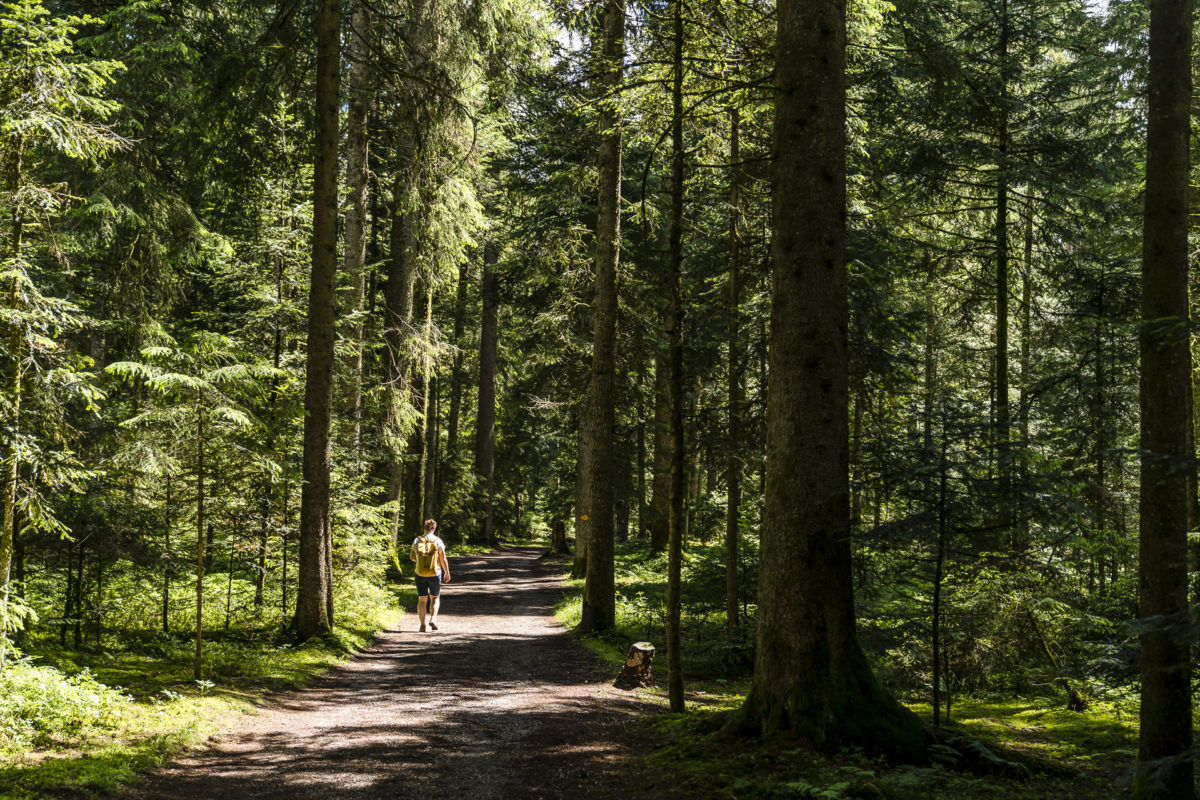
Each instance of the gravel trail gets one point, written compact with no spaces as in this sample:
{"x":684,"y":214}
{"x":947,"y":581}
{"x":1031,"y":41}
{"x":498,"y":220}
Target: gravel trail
{"x":500,"y":703}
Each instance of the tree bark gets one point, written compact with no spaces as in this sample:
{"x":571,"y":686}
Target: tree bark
{"x":460,"y":312}
{"x":357,"y":178}
{"x":599,"y":603}
{"x":485,"y":428}
{"x":201,"y":559}
{"x":810,"y":675}
{"x":660,"y":498}
{"x":1165,"y":764}
{"x":1000,"y":370}
{"x":167,"y":571}
{"x":8,"y":490}
{"x":582,"y":500}
{"x":733,"y":463}
{"x":397,"y":312}
{"x":674,"y":329}
{"x":428,"y":415}
{"x":314,"y":592}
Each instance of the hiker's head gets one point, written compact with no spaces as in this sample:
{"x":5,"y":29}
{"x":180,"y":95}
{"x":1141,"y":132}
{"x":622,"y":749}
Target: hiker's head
{"x":430,"y":526}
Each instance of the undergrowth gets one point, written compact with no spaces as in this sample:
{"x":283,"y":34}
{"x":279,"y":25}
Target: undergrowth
{"x":1026,"y":749}
{"x":90,"y":720}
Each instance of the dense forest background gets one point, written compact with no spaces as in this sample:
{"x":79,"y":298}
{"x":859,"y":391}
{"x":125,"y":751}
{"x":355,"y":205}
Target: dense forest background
{"x":536,"y":214}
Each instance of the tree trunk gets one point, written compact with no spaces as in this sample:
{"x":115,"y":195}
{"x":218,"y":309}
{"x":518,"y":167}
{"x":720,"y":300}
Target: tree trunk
{"x":674,"y":330}
{"x":639,"y":483}
{"x":582,"y":498}
{"x":596,"y":519}
{"x":1165,"y":761}
{"x":660,"y":499}
{"x":8,"y":489}
{"x":77,"y":633}
{"x":460,"y":312}
{"x":485,"y":428}
{"x":733,"y":463}
{"x":1026,"y":399}
{"x":200,"y":537}
{"x":283,"y":547}
{"x":357,"y":179}
{"x":428,"y":418}
{"x":397,"y":312}
{"x":69,"y":596}
{"x":167,"y":571}
{"x":810,"y":675}
{"x":1003,"y":432}
{"x":314,"y":590}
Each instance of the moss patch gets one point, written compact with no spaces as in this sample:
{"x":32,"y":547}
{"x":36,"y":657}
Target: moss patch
{"x":163,"y":710}
{"x":1080,"y":756}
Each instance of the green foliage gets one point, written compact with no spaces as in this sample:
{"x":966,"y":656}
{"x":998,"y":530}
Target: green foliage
{"x":49,"y":96}
{"x":42,"y":707}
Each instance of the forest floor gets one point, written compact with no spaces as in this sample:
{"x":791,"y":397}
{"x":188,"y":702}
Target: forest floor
{"x":499,"y":703}
{"x":503,"y":702}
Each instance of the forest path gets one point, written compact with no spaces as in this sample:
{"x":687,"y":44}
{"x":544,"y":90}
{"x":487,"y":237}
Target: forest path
{"x":500,"y":703}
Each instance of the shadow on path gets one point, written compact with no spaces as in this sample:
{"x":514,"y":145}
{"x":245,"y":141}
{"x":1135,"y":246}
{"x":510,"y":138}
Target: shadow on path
{"x":500,"y":703}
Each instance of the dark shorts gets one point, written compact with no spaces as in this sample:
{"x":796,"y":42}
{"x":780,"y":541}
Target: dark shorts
{"x":429,"y":586}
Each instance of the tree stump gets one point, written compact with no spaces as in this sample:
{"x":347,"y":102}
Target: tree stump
{"x":636,"y":671}
{"x":558,"y":537}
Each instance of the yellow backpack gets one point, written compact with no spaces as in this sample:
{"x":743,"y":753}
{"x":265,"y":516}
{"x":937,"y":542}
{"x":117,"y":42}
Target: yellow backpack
{"x":426,"y":550}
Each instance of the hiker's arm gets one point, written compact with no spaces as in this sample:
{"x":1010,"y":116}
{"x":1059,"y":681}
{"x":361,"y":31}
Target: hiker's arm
{"x":412,"y":554}
{"x":445,"y":566}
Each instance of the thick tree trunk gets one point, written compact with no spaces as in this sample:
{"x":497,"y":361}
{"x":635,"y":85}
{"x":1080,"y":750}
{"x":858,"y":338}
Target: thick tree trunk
{"x":599,"y":604}
{"x":357,"y":179}
{"x":485,"y":428}
{"x":1165,"y":763}
{"x":314,"y":592}
{"x":674,"y":330}
{"x":810,"y":675}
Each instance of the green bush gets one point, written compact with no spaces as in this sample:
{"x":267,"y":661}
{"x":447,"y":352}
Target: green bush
{"x":42,"y":706}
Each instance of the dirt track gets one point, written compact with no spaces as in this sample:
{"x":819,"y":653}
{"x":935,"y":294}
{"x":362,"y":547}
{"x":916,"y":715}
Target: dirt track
{"x":500,"y":703}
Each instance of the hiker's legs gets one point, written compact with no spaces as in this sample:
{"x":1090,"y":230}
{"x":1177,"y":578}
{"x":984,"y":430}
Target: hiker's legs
{"x":437,"y":602}
{"x":421,"y":602}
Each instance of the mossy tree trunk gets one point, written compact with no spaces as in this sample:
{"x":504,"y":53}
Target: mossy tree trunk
{"x":314,"y":598}
{"x":810,"y":675}
{"x":595,"y":520}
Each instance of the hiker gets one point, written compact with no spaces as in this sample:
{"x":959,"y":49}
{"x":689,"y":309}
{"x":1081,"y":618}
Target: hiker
{"x":429,"y":553}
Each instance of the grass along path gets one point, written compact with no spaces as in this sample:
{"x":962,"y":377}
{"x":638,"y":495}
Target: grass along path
{"x":500,"y":703}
